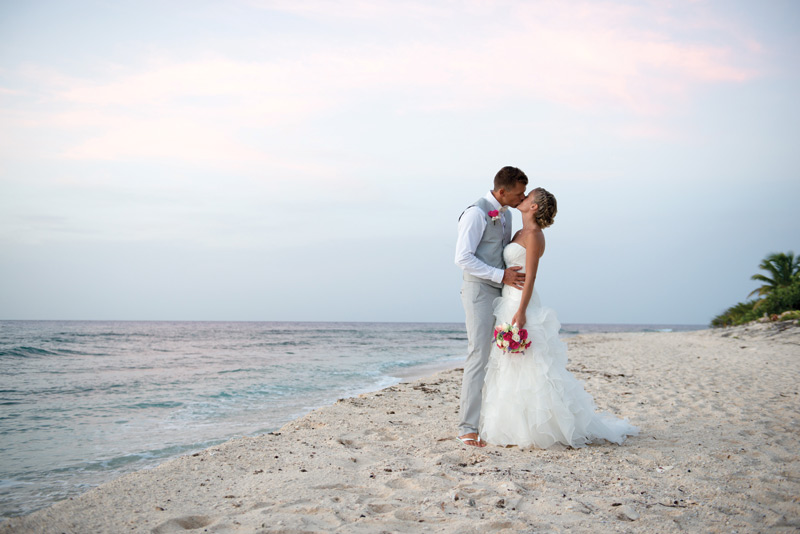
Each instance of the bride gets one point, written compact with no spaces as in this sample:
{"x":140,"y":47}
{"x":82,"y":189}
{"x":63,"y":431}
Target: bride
{"x":530,"y":399}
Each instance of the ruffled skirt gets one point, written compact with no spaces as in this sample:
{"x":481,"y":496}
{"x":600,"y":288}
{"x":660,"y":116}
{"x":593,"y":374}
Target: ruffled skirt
{"x":531,"y":399}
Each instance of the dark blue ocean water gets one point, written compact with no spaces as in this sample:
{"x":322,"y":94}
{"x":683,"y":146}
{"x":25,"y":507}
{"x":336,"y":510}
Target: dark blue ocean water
{"x":82,"y":402}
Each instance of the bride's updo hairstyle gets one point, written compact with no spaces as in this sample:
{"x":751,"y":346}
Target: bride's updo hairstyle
{"x":548,"y":207}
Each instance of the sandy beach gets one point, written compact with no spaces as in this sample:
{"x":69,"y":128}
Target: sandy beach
{"x":719,"y":451}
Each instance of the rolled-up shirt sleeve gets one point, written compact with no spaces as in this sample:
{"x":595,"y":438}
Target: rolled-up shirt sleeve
{"x":470,"y":232}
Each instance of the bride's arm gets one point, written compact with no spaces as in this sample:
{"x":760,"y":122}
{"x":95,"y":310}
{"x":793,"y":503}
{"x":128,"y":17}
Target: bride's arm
{"x":534,"y":243}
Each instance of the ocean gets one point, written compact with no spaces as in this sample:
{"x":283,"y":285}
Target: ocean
{"x":83,"y":402}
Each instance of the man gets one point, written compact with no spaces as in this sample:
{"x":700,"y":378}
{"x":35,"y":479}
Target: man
{"x":484,"y":229}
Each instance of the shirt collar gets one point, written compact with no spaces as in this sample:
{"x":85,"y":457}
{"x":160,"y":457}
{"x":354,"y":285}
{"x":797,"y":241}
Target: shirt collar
{"x":493,"y":201}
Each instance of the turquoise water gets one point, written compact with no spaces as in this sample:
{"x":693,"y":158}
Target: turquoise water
{"x":82,"y":402}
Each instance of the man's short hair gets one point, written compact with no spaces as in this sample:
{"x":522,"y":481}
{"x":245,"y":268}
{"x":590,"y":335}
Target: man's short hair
{"x":508,"y":178}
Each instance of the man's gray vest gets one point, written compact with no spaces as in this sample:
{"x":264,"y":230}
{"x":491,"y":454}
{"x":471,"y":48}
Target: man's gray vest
{"x":490,"y":248}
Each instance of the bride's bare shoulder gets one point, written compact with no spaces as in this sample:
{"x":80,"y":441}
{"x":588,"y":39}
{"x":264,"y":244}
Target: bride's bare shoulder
{"x":535,"y":241}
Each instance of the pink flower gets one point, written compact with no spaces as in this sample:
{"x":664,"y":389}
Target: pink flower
{"x":510,"y":339}
{"x":494,"y":213}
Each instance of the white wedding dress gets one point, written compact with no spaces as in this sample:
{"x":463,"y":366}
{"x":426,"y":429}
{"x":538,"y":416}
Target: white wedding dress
{"x":531,"y":399}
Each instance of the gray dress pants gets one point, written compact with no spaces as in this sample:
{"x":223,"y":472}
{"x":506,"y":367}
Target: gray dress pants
{"x":477,"y":298}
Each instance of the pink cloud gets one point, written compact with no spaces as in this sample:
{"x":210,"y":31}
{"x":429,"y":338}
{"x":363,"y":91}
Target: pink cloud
{"x":576,"y":53}
{"x":7,"y":91}
{"x":585,"y":55}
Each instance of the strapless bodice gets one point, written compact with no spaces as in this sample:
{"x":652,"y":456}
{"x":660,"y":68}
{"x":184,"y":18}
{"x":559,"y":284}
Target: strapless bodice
{"x":514,"y":256}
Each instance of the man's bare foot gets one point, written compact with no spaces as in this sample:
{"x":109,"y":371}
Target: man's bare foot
{"x":471,"y":439}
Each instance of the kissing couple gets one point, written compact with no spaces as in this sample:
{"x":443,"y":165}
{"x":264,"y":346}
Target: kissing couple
{"x":509,"y":397}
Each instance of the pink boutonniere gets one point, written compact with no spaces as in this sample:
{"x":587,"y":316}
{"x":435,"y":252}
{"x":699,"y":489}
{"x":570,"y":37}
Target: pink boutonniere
{"x":495,"y":215}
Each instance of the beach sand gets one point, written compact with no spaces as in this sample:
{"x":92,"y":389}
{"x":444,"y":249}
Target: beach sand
{"x":719,"y":413}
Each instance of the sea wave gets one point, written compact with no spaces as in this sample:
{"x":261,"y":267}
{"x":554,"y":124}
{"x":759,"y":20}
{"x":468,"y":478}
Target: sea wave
{"x":25,"y":352}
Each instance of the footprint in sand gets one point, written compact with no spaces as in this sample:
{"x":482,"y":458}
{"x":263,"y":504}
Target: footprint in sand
{"x":381,"y":508}
{"x":182,"y":524}
{"x":402,"y":483}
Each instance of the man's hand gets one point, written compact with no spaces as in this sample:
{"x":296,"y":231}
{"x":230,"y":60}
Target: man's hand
{"x":513,"y":278}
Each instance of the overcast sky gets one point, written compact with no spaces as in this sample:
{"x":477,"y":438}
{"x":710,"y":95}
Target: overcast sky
{"x":308,"y":160}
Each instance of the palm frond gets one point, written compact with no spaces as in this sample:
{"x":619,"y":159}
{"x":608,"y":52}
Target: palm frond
{"x":783,"y":268}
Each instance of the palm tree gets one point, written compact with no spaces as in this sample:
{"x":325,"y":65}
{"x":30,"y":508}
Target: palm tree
{"x":784,"y":269}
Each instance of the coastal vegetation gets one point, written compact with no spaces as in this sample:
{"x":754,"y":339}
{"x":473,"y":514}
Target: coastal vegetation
{"x":778,"y":298}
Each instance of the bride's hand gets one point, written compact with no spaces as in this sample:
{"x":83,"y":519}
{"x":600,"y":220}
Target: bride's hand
{"x":519,"y":319}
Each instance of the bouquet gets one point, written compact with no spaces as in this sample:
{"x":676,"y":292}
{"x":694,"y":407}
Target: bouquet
{"x":511,"y":338}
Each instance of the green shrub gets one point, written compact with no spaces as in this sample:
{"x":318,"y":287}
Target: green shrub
{"x":740,"y":313}
{"x":780,"y":300}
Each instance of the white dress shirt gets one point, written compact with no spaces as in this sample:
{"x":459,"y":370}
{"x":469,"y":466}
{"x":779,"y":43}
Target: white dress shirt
{"x":470,"y":232}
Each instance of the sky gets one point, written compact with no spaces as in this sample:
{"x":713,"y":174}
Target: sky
{"x":306,"y":160}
